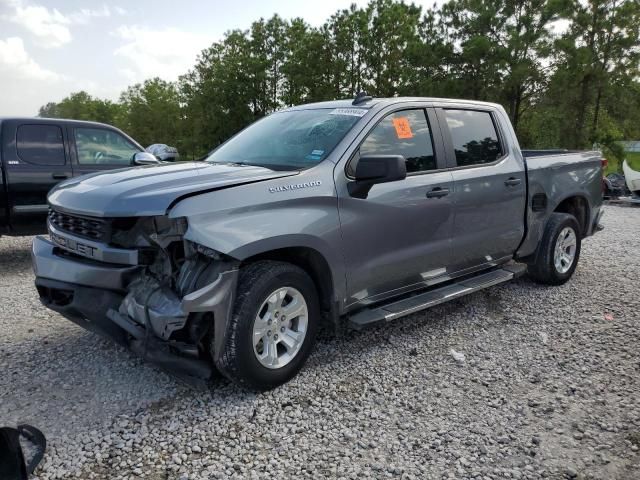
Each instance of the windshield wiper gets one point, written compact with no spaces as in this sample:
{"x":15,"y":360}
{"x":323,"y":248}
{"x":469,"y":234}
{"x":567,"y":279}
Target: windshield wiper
{"x":273,"y":167}
{"x":228,"y":162}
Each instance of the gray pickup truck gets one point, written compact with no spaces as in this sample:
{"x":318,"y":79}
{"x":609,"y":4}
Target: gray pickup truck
{"x":362,"y":212}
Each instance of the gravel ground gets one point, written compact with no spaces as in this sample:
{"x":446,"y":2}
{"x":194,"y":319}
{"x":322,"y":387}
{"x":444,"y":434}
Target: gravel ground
{"x":518,"y":381}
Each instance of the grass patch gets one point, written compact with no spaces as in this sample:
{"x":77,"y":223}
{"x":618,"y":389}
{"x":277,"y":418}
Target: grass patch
{"x":633,"y":158}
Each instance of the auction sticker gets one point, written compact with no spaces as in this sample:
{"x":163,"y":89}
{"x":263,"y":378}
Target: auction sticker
{"x":403,"y":129}
{"x":354,"y":112}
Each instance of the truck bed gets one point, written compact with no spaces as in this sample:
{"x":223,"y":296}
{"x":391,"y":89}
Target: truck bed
{"x":553,"y":176}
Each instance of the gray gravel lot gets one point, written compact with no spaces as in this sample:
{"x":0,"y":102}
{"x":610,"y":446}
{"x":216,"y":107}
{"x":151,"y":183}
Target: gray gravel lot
{"x":548,"y":388}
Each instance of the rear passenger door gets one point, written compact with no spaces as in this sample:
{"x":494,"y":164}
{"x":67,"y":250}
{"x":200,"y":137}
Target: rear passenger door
{"x":489,"y":185}
{"x":96,"y":149}
{"x":35,"y":160}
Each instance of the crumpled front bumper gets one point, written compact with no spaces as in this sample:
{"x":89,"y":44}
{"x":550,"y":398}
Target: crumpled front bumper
{"x":91,"y":293}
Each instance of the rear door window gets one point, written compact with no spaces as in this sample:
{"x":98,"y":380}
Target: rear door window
{"x":474,"y":137}
{"x":40,"y":144}
{"x":403,"y":133}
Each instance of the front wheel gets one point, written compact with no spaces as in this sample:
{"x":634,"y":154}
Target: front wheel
{"x":272,"y":329}
{"x":559,"y":250}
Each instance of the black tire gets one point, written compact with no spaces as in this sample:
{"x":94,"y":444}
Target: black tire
{"x":238,"y":361}
{"x":544,"y":269}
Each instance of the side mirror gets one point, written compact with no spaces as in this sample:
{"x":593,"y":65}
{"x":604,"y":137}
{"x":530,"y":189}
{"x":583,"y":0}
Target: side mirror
{"x":145,"y":158}
{"x":163,"y":152}
{"x":372,"y":169}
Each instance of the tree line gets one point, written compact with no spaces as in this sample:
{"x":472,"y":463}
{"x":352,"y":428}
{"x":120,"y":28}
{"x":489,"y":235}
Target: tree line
{"x":566,"y":71}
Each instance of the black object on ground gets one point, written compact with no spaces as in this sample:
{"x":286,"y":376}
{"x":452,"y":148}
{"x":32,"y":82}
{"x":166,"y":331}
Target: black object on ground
{"x":15,"y":464}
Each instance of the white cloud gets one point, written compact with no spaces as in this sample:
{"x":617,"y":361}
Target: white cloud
{"x":85,"y":15}
{"x":26,"y":85}
{"x":166,"y":53}
{"x":16,"y":62}
{"x":50,"y":27}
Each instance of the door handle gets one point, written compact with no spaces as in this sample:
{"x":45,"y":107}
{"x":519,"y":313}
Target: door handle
{"x":59,"y":176}
{"x":438,"y":192}
{"x":512,"y":182}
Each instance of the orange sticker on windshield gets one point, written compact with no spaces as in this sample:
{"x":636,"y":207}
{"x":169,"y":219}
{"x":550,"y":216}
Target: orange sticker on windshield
{"x":403,"y":129}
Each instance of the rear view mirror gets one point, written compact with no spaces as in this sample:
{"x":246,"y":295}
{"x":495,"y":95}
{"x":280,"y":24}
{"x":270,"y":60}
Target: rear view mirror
{"x":372,"y":169}
{"x":145,"y":158}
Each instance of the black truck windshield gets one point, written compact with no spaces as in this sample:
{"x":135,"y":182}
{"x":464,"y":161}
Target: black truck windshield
{"x":289,"y":140}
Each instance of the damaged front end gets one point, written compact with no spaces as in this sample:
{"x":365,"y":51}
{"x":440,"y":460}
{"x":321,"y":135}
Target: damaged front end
{"x":170,"y":302}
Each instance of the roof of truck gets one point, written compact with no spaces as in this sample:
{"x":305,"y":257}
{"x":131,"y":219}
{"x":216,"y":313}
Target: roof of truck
{"x":53,"y":120}
{"x":15,"y":122}
{"x":348,"y":103}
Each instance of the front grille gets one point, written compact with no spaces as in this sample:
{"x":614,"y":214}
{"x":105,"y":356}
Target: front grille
{"x":87,"y":227}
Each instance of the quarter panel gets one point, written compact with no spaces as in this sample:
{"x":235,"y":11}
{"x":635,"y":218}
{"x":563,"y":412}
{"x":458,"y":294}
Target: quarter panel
{"x":559,"y":177}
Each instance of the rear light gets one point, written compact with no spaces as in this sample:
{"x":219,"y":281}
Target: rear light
{"x":605,"y":163}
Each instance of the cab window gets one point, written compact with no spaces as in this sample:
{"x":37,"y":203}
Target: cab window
{"x":403,"y":133}
{"x":40,"y":144}
{"x":97,"y":146}
{"x":474,"y":137}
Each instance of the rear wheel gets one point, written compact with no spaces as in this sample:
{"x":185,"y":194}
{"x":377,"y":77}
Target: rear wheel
{"x":272,"y":329}
{"x":559,"y":250}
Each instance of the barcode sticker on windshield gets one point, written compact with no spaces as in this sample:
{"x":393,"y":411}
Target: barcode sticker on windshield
{"x":354,"y":112}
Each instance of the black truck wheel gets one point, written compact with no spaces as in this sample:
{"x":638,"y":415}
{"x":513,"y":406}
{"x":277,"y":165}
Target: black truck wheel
{"x":558,"y":252}
{"x":273,"y":325}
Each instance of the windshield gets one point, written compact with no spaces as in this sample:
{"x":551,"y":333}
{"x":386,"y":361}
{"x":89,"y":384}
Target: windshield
{"x":295,"y":139}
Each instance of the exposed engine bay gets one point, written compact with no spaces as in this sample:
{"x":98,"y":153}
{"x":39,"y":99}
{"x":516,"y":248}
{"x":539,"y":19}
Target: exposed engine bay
{"x":169,"y":305}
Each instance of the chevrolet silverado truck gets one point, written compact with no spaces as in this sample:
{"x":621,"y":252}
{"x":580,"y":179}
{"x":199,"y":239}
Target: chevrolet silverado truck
{"x":38,"y":153}
{"x":359,"y":212}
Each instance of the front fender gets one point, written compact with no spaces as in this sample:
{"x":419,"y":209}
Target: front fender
{"x":260,"y":221}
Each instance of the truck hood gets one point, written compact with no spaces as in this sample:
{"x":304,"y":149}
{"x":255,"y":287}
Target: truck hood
{"x":150,"y":190}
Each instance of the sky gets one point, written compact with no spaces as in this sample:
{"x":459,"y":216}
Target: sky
{"x":49,"y":49}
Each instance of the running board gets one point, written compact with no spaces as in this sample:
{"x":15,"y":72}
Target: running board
{"x":436,"y":296}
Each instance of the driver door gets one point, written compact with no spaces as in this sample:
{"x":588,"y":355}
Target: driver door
{"x":397,"y":239}
{"x":96,"y":149}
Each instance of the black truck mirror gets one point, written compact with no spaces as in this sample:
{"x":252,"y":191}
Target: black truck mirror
{"x":381,"y":168}
{"x":372,"y":169}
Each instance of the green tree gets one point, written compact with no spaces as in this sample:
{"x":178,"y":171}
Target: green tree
{"x":474,"y":28}
{"x":429,"y":60}
{"x":392,"y":31}
{"x":308,"y":64}
{"x":347,"y":36}
{"x":503,"y":48}
{"x":82,"y":106}
{"x":151,"y":112}
{"x":527,"y":45}
{"x":598,"y":52}
{"x":220,"y":94}
{"x":561,"y":90}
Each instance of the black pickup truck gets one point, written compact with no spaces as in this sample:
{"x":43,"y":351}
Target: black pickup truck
{"x":37,"y":153}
